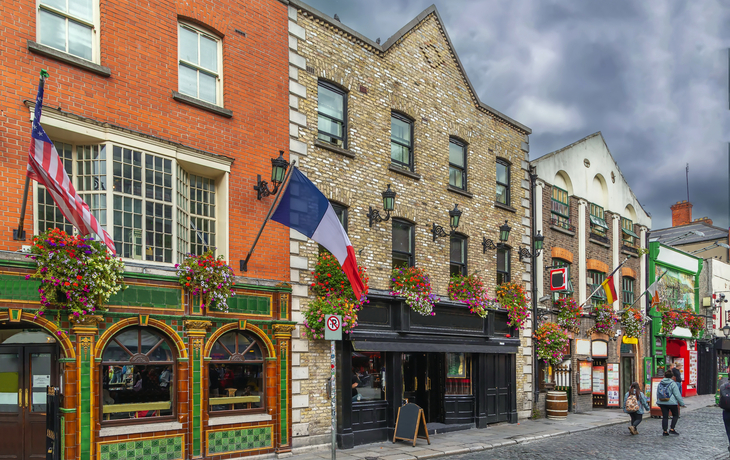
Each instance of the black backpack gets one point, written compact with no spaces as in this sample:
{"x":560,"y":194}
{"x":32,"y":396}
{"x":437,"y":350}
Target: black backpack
{"x":725,"y":397}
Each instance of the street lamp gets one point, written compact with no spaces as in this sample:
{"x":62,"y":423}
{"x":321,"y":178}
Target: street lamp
{"x":526,"y":254}
{"x":487,"y":243}
{"x":278,"y":172}
{"x":388,"y":205}
{"x":454,"y":216}
{"x":726,"y":330}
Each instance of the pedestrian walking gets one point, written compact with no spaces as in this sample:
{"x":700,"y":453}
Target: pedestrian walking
{"x":677,"y":376}
{"x":635,"y":405}
{"x":668,"y":398}
{"x":725,"y":406}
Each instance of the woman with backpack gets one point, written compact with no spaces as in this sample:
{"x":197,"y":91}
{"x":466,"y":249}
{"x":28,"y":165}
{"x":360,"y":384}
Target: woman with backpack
{"x":635,"y":404}
{"x":668,"y":397}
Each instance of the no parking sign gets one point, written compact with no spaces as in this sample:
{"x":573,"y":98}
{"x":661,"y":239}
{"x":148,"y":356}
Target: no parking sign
{"x":333,"y":327}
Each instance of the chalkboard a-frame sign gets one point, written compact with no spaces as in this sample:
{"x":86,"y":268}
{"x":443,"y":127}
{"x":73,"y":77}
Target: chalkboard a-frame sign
{"x":410,"y":424}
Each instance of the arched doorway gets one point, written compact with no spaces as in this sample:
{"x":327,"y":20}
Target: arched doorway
{"x":28,"y":364}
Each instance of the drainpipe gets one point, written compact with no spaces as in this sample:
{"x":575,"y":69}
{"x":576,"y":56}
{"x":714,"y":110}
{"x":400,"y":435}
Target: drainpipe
{"x":533,"y":269}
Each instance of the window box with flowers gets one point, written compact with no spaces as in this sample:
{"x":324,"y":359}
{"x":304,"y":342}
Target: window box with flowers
{"x":77,"y":273}
{"x":633,"y":321}
{"x":512,"y":297}
{"x":606,"y":319}
{"x":334,"y":296}
{"x":414,"y":285}
{"x":208,"y":277}
{"x":470,"y":290}
{"x":569,"y":313}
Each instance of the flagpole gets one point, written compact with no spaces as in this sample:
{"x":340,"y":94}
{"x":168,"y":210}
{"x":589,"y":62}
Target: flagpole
{"x":244,"y":263}
{"x":600,"y":285}
{"x":647,"y":290}
{"x":19,"y":233}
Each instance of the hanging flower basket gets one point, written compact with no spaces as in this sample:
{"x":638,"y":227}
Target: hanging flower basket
{"x":551,"y":341}
{"x":208,"y":277}
{"x":569,"y":314}
{"x":633,"y":322}
{"x":330,"y":280}
{"x":77,"y":273}
{"x":321,"y":306}
{"x":470,"y":290}
{"x":415,"y":285}
{"x":695,"y":324}
{"x":512,"y":297}
{"x":334,"y":296}
{"x":606,"y":319}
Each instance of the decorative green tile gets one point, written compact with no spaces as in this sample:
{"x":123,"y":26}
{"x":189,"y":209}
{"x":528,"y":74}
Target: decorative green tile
{"x":169,"y":448}
{"x":17,"y":288}
{"x":250,"y":305}
{"x":220,"y":442}
{"x":148,"y":296}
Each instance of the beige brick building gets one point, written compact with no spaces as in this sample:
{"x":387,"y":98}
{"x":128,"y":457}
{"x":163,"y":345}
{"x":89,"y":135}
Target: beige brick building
{"x":365,"y":116}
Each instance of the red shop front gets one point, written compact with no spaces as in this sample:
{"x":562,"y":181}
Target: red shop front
{"x":684,"y":354}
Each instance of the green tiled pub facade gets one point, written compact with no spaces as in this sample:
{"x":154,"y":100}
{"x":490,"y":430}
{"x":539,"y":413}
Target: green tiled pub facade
{"x":154,"y":377}
{"x":679,"y":289}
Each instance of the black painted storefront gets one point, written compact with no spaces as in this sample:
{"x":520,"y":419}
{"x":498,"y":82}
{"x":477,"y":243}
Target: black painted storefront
{"x":412,"y":350}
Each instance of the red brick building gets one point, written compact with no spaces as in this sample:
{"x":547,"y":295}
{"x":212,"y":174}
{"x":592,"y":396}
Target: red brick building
{"x":163,"y":116}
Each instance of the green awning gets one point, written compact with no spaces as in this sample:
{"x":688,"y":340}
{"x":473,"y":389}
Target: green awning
{"x":598,"y":221}
{"x":629,"y":232}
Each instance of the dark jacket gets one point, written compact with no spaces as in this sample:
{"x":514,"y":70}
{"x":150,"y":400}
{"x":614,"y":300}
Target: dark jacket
{"x":677,"y":375}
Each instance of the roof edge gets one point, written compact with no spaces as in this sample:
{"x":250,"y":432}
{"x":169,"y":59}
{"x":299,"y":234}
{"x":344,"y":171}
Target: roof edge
{"x":398,"y":35}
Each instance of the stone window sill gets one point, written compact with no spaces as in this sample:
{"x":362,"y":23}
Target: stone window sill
{"x":405,"y":172}
{"x":139,"y":428}
{"x":334,"y":148}
{"x":47,"y":51}
{"x":451,"y":188}
{"x":251,"y":418}
{"x":600,"y":243}
{"x":560,"y":229}
{"x":202,"y":104}
{"x":497,"y":204}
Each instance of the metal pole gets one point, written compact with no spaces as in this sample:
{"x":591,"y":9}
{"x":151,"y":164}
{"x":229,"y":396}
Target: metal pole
{"x":19,"y":234}
{"x":333,"y":400}
{"x":533,"y":269}
{"x":244,"y":263}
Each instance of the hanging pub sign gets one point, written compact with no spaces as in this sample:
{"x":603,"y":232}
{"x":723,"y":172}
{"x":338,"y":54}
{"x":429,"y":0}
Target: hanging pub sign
{"x":559,"y":279}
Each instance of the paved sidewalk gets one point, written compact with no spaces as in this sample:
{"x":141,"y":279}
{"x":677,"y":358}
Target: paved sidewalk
{"x":473,"y":440}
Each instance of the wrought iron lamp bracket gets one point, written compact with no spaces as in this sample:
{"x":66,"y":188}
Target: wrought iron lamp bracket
{"x":488,"y":244}
{"x":526,"y":254}
{"x":438,"y":232}
{"x":375,"y":217}
{"x":262,"y":187}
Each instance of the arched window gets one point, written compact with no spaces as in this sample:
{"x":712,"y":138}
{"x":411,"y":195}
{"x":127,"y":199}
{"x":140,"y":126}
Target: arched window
{"x":137,"y":376}
{"x":236,"y":374}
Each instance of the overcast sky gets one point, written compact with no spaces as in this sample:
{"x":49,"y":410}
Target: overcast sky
{"x":652,"y":76}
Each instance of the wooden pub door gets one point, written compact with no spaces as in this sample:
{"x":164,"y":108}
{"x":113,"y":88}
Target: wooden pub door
{"x":25,"y":371}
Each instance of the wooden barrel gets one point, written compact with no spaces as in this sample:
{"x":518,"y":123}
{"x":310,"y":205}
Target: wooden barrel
{"x":556,"y":405}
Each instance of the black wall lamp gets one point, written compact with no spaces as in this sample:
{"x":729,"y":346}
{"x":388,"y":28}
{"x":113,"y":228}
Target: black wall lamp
{"x":278,"y":172}
{"x":526,"y":254}
{"x":388,"y":205}
{"x":503,"y":237}
{"x":454,"y":216}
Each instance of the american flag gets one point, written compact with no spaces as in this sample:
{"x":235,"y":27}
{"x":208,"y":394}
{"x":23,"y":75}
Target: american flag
{"x":46,"y":168}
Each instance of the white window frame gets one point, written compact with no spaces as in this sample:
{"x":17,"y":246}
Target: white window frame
{"x":95,"y":27}
{"x":78,"y":132}
{"x":218,"y":74}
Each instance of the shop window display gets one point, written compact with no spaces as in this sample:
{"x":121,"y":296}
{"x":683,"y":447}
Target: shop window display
{"x":138,"y":376}
{"x":236,"y":374}
{"x":458,"y":373}
{"x":368,"y":375}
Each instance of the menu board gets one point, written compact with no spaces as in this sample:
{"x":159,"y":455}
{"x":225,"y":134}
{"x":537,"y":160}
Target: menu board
{"x":692,"y":380}
{"x":599,"y":384}
{"x":654,"y":385}
{"x":586,"y":382}
{"x":612,"y":379}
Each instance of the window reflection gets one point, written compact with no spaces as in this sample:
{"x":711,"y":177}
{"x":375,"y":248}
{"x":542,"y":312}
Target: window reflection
{"x":368,"y":376}
{"x":236,"y":374}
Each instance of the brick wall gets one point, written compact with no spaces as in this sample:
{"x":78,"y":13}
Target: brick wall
{"x":139,"y":46}
{"x":417,"y":76}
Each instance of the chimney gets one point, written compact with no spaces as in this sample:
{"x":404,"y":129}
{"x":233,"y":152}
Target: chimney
{"x":681,"y":213}
{"x":706,"y":220}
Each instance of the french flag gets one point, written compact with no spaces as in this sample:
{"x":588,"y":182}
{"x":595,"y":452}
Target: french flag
{"x":305,"y":209}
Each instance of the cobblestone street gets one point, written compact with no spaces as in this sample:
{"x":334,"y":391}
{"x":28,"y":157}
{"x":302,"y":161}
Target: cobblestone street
{"x":702,"y":436}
